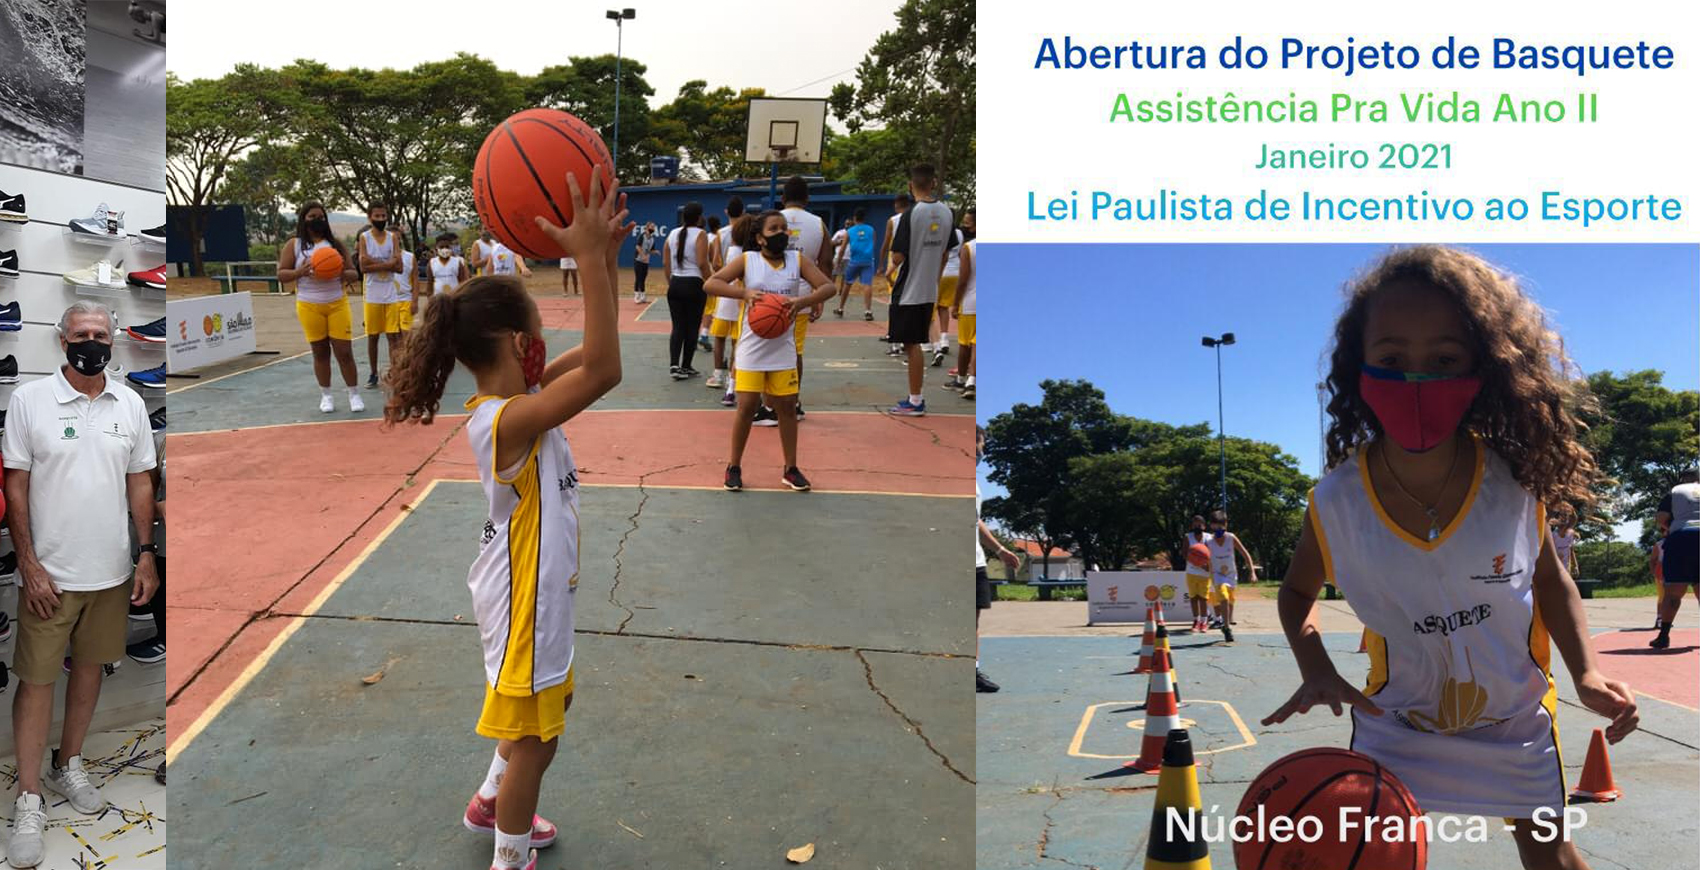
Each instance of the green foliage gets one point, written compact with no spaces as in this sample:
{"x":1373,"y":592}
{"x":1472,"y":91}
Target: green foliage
{"x":1642,"y":434}
{"x":585,"y":87}
{"x":209,"y":123}
{"x":1613,"y":563}
{"x":707,"y":130}
{"x":917,"y":82}
{"x":1114,"y":488}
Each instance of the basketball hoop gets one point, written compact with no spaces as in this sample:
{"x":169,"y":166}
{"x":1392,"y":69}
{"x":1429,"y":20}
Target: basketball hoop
{"x":781,"y":153}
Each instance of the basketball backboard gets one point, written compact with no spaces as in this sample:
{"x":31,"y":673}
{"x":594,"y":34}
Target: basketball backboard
{"x":785,"y":130}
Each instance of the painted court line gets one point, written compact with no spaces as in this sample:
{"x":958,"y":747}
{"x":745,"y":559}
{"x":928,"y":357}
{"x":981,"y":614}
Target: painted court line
{"x":274,"y":362}
{"x":1246,"y":737}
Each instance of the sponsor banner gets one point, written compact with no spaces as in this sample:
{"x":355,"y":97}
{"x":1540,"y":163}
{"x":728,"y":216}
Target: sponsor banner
{"x":1121,"y":596}
{"x":203,"y":330}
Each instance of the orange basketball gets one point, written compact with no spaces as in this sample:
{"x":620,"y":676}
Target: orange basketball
{"x":521,"y":173}
{"x":1198,"y":555}
{"x":1317,"y":783}
{"x":325,"y":263}
{"x":768,"y":317}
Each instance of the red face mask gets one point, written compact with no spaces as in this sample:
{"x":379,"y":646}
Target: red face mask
{"x":534,"y":361}
{"x":1417,"y":411}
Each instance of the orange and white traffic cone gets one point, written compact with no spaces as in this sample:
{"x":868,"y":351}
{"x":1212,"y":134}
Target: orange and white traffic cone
{"x":1162,"y":714}
{"x":1596,"y":783}
{"x":1148,"y":642}
{"x":1158,"y":606}
{"x":1162,"y":643}
{"x":1169,"y":846}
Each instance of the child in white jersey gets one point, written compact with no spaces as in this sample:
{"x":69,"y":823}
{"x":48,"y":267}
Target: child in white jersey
{"x":1454,"y":427}
{"x":378,"y":251}
{"x":769,"y":365}
{"x":729,"y":310}
{"x":525,"y":574}
{"x":448,"y":270}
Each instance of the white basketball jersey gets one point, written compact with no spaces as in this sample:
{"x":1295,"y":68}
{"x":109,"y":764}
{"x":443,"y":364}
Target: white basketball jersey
{"x":757,"y":354}
{"x":1191,"y":569}
{"x":965,"y":290}
{"x":1224,"y":568}
{"x":445,"y":276}
{"x":685,"y":265}
{"x":807,"y":231}
{"x":309,"y":288}
{"x":502,"y":261}
{"x":725,"y":307}
{"x":483,"y":249}
{"x":952,"y":258}
{"x":380,"y":287}
{"x":527,"y":567}
{"x":1459,"y":658}
{"x":404,"y":278}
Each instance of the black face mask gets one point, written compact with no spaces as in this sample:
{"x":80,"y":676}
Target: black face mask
{"x":321,"y":226}
{"x":89,"y":358}
{"x":775,"y":245}
{"x":1198,"y":531}
{"x":379,"y":225}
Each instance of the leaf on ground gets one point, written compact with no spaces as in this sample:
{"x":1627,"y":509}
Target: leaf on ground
{"x":373,"y":678}
{"x":629,"y":829}
{"x":801,"y":854}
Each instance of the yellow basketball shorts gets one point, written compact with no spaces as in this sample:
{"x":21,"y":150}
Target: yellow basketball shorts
{"x":723,"y":328}
{"x":780,"y":383}
{"x":947,"y":291}
{"x":965,"y":329}
{"x":800,"y":329}
{"x":543,"y":715}
{"x":1198,"y":586}
{"x":382,"y":317}
{"x":322,"y":320}
{"x":1222,"y":593}
{"x":404,"y":315}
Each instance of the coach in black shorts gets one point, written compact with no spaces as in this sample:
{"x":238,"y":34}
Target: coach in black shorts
{"x":918,"y":250}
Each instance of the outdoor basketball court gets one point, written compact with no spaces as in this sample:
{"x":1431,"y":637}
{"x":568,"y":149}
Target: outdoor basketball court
{"x":1052,"y":743}
{"x":800,"y":659}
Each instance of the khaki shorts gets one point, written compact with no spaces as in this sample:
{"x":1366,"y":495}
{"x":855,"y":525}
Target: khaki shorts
{"x":93,"y":623}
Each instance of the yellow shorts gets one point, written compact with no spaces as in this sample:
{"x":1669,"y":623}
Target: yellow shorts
{"x":947,"y":291}
{"x":780,"y":383}
{"x":1222,"y":593}
{"x":404,"y":315}
{"x":543,"y":715}
{"x":965,"y":329}
{"x":322,"y":320}
{"x":799,"y":329}
{"x":1198,"y":586}
{"x":381,"y":317}
{"x":723,"y":328}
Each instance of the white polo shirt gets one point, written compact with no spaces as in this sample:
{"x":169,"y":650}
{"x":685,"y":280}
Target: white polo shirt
{"x":78,"y":451}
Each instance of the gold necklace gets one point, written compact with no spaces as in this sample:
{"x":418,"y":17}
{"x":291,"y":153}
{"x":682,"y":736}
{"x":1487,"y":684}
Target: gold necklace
{"x":1433,"y":511}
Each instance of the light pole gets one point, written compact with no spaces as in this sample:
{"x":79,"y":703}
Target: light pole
{"x":1221,"y":436}
{"x":619,"y":17}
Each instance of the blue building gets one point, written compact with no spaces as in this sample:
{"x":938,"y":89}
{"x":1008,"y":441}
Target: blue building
{"x":663,"y":203}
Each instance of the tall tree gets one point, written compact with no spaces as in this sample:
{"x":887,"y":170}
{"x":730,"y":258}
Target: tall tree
{"x":584,"y":86}
{"x":209,"y":123}
{"x":918,"y":83}
{"x":709,"y":128}
{"x":1643,"y":434}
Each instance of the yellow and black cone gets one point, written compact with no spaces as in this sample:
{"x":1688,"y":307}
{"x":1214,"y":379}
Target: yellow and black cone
{"x":1169,"y":848}
{"x":1162,"y":641}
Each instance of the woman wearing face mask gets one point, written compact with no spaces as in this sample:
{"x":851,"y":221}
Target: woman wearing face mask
{"x":320,"y":303}
{"x":769,"y":365}
{"x":685,"y":255}
{"x":1454,"y":427}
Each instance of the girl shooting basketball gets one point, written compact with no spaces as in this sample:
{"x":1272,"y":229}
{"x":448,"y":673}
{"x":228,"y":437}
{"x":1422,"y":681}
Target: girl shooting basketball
{"x":1454,"y":429}
{"x":768,"y":365}
{"x":524,"y":576}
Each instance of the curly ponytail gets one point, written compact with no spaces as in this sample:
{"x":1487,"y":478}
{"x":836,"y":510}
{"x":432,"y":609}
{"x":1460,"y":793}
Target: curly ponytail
{"x":465,"y":326}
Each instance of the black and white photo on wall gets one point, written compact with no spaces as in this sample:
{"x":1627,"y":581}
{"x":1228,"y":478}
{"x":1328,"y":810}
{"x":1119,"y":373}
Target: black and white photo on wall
{"x":42,"y":93}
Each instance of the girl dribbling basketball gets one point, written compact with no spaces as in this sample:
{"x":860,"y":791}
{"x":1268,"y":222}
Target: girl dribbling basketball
{"x":768,"y":365}
{"x":524,"y":576}
{"x":1454,"y":427}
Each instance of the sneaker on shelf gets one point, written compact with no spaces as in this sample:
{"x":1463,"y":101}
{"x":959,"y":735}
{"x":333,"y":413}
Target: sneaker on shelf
{"x":9,"y":264}
{"x":154,"y":278}
{"x":24,"y":849}
{"x":730,"y":400}
{"x":765,"y":417}
{"x":734,"y":479}
{"x":11,"y":317}
{"x":150,"y":332}
{"x":147,"y":652}
{"x":90,"y":277}
{"x":155,"y":235}
{"x":982,"y":683}
{"x":795,"y":479}
{"x":12,"y":208}
{"x":157,"y":419}
{"x":72,"y":783}
{"x":480,"y":818}
{"x":153,"y":378}
{"x":906,"y":409}
{"x":104,"y":222}
{"x":8,"y":371}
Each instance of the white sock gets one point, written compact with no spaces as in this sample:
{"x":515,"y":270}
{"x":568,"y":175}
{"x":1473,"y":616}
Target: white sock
{"x":927,"y":347}
{"x":493,"y":779}
{"x":970,"y":381}
{"x":914,"y":399}
{"x":326,"y":391}
{"x":512,"y":850}
{"x":702,"y":331}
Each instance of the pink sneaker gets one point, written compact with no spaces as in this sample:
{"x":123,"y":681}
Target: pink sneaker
{"x":481,"y":817}
{"x":529,"y":865}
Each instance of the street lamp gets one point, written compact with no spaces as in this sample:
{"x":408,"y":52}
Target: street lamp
{"x":619,"y":17}
{"x":1221,"y":435}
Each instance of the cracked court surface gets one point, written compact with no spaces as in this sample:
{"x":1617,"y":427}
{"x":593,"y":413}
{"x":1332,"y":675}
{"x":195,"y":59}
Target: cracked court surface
{"x":755,"y":671}
{"x":1051,"y":745}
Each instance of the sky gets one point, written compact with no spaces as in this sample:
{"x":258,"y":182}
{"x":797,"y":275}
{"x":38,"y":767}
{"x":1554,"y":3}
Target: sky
{"x":1129,"y":318}
{"x":677,"y":40}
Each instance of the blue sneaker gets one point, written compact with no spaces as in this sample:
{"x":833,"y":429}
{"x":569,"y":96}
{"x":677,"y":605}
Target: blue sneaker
{"x":904,"y":409}
{"x":150,"y":332}
{"x":704,"y":342}
{"x":153,"y":378}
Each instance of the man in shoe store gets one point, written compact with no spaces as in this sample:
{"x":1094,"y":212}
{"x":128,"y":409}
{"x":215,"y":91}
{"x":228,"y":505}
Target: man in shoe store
{"x":78,"y":455}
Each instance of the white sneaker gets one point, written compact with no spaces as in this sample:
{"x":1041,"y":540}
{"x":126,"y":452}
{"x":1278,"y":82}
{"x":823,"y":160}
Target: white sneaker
{"x":355,"y":403}
{"x":715,"y":380}
{"x":72,"y":783}
{"x":90,"y":277}
{"x":97,"y":224}
{"x":24,"y":849}
{"x":327,"y":404}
